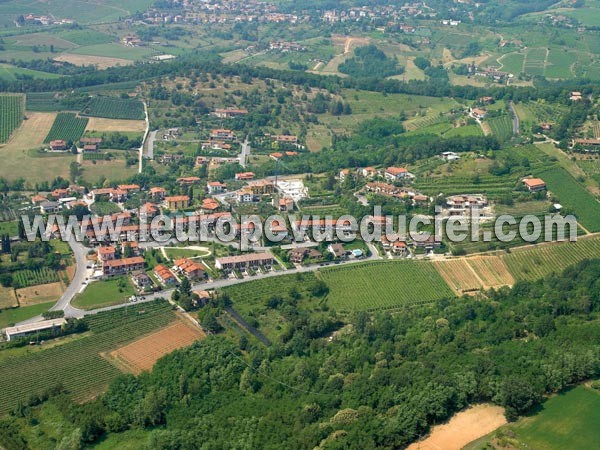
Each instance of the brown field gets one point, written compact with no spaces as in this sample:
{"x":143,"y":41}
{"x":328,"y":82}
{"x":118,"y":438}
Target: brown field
{"x":16,"y":156}
{"x":42,"y":293}
{"x":474,"y":273}
{"x":459,"y":275}
{"x":101,"y":62}
{"x":99,"y":124}
{"x":7,"y":298}
{"x":462,"y":428}
{"x":141,"y":354}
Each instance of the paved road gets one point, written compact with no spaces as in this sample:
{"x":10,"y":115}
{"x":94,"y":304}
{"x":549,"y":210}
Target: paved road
{"x":150,"y":144}
{"x":141,"y":151}
{"x":515,"y":118}
{"x":245,"y":154}
{"x":81,"y":273}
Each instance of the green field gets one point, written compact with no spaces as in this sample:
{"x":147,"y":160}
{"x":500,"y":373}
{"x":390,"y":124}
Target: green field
{"x":11,"y":115}
{"x":24,"y":278}
{"x":574,"y":197}
{"x":566,"y":421}
{"x":502,"y":127}
{"x":383,"y":285}
{"x":85,"y":37}
{"x":105,"y":293}
{"x":8,"y":317}
{"x":11,"y":73}
{"x":513,"y":63}
{"x":537,"y":262}
{"x":174,"y":253}
{"x":115,"y":108}
{"x":68,"y":127}
{"x":78,"y":364}
{"x":114,"y":50}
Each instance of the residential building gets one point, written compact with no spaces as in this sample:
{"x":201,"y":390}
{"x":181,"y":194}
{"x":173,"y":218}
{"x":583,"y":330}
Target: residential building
{"x":177,"y":202}
{"x":58,"y":145}
{"x":297,"y":255}
{"x":478,"y":113}
{"x":216,"y":187}
{"x":129,"y":188}
{"x":459,"y":205}
{"x":106,"y":253}
{"x":142,"y":281}
{"x":262,"y":187}
{"x":187,"y":181}
{"x":209,"y":205}
{"x":284,"y":204}
{"x":122,"y":266}
{"x":228,"y":113}
{"x":189,"y":268}
{"x":395,"y":173}
{"x":245,"y":196}
{"x":222,"y":135}
{"x":337,"y":250}
{"x":148,"y":211}
{"x":244,"y":176}
{"x":158,"y":193}
{"x":49,"y":207}
{"x":244,"y":261}
{"x":534,"y":184}
{"x":368,"y":172}
{"x":164,"y":275}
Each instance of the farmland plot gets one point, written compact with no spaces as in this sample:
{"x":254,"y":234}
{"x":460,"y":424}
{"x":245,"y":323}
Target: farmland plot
{"x":459,"y":275}
{"x":77,"y":363}
{"x":11,"y":115}
{"x":67,"y":127}
{"x":537,"y":262}
{"x":141,"y":354}
{"x":383,"y":285}
{"x":115,"y":108}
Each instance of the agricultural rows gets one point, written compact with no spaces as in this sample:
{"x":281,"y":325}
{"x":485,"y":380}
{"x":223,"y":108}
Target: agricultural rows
{"x":502,"y":127}
{"x":115,"y":108}
{"x":574,"y":196}
{"x":77,"y":364}
{"x":67,"y":127}
{"x":11,"y":115}
{"x":392,"y":284}
{"x":538,"y":262}
{"x":25,"y":278}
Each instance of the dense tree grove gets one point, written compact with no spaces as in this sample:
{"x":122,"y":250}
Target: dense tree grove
{"x":380,"y":382}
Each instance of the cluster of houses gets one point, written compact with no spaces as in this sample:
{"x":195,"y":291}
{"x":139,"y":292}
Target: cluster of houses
{"x":86,"y":145}
{"x":391,"y":173}
{"x":284,"y":46}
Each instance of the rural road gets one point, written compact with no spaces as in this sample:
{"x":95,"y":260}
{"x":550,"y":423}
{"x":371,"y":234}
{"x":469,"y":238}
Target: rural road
{"x":141,"y":151}
{"x":515,"y":118}
{"x":150,"y":144}
{"x":245,"y":154}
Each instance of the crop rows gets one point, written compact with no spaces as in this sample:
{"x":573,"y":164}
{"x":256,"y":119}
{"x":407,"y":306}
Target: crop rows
{"x":67,"y":127}
{"x":502,"y":127}
{"x":25,"y":278}
{"x":574,"y":197}
{"x":78,"y":364}
{"x":540,"y":261}
{"x":384,"y":285}
{"x":11,"y":115}
{"x":115,"y":108}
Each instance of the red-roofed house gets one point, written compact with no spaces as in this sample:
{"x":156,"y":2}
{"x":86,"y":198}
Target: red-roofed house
{"x":164,"y":275}
{"x":396,"y":173}
{"x":189,"y":268}
{"x":534,"y":184}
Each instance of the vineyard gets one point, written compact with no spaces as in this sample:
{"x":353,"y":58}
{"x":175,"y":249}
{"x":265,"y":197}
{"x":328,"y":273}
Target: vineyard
{"x":25,"y":278}
{"x":115,"y":108}
{"x":542,"y":260}
{"x":493,"y":186}
{"x":67,"y":127}
{"x":574,"y":197}
{"x":78,"y":364}
{"x":478,"y":272}
{"x":50,"y":101}
{"x":11,"y":115}
{"x":384,"y":285}
{"x":502,"y":127}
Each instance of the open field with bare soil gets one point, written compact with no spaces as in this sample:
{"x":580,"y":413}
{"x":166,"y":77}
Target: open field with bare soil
{"x":7,"y":297}
{"x":101,"y":62}
{"x":478,"y":272}
{"x":462,"y":428}
{"x":42,"y":293}
{"x":141,"y":354}
{"x":101,"y":125}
